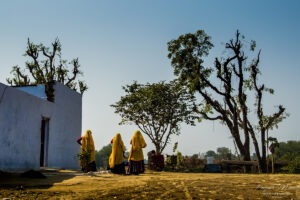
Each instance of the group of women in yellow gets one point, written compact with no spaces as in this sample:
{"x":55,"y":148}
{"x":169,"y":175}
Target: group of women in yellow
{"x":117,"y":157}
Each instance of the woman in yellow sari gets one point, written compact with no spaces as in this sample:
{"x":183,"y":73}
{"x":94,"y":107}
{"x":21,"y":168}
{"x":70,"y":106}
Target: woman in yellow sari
{"x":87,"y":152}
{"x":116,"y":158}
{"x":136,"y":156}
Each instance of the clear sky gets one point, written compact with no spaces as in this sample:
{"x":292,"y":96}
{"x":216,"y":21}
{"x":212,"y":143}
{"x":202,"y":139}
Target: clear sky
{"x":119,"y":41}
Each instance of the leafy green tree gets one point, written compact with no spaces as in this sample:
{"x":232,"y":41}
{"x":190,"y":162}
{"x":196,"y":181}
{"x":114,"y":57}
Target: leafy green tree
{"x":157,"y":109}
{"x":211,"y":153}
{"x":45,"y":66}
{"x":225,"y":88}
{"x":102,"y":156}
{"x":223,"y":153}
{"x":289,"y":153}
{"x":288,"y":149}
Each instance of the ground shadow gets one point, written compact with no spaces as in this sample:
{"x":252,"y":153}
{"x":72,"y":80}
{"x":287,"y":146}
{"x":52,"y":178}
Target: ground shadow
{"x":43,"y":178}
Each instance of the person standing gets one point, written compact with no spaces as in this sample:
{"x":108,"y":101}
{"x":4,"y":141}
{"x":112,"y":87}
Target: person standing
{"x":116,"y":158}
{"x":87,"y":152}
{"x":136,"y":156}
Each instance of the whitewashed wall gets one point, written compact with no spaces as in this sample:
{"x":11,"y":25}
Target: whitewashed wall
{"x":21,"y":114}
{"x":65,"y":128}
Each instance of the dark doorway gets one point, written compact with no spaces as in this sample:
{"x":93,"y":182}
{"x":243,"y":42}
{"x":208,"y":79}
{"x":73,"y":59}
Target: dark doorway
{"x":44,"y":142}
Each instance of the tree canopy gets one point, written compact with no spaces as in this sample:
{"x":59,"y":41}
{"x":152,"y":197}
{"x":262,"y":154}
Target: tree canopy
{"x":226,"y":88}
{"x":45,"y":66}
{"x":157,"y":109}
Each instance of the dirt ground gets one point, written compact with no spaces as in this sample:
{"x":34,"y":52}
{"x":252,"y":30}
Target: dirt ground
{"x":66,"y":184}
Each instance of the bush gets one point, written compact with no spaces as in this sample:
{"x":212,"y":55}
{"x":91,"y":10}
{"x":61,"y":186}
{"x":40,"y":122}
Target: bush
{"x":181,"y":163}
{"x":293,"y":166}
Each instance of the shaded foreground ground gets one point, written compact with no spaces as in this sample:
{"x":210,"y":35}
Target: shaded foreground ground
{"x":66,"y":184}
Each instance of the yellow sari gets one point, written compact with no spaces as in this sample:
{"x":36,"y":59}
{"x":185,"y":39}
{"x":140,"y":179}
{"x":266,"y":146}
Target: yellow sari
{"x":87,"y":147}
{"x":137,"y":144}
{"x":117,"y":153}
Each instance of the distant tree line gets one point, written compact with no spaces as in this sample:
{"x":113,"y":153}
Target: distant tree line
{"x":287,"y":154}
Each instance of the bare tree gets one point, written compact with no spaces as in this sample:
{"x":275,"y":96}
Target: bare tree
{"x":225,"y":89}
{"x":46,"y":66}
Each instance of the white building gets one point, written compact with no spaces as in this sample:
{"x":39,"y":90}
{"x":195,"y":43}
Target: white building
{"x":35,"y":132}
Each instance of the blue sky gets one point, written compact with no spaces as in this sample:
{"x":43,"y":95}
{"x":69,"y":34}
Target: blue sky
{"x":121,"y":41}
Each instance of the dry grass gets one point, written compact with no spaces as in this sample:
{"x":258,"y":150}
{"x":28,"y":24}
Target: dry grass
{"x":151,"y":185}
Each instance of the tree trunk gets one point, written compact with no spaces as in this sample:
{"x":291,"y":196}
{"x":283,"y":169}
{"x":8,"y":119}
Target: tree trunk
{"x":263,"y":151}
{"x":273,"y":160}
{"x":157,"y":147}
